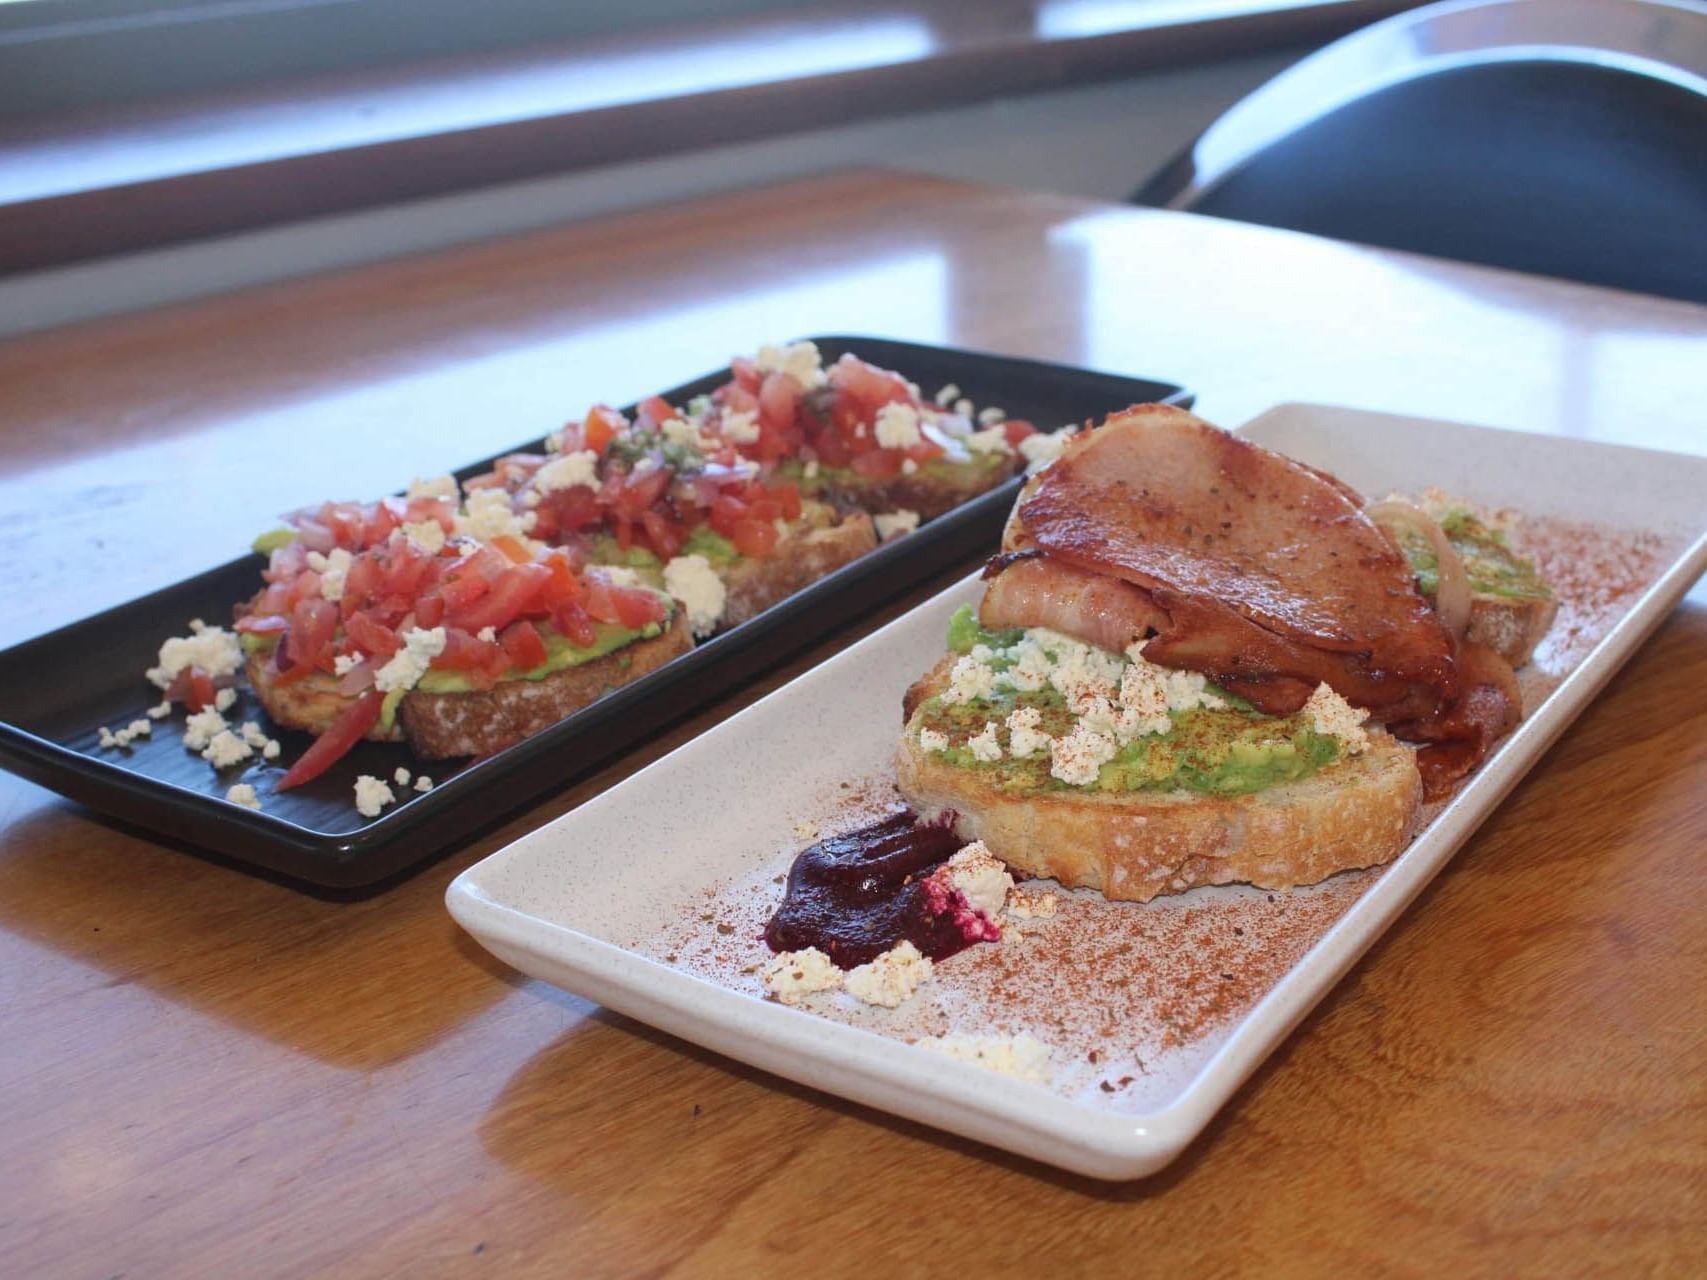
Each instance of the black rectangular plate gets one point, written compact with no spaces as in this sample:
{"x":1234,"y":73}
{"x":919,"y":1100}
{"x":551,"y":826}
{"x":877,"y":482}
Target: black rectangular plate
{"x":59,"y":690}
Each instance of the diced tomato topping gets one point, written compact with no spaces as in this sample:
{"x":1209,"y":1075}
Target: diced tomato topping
{"x":429,"y":611}
{"x":878,"y":464}
{"x":343,"y":733}
{"x":482,"y":662}
{"x":511,"y":595}
{"x":564,"y":586}
{"x":788,"y":495}
{"x":524,"y":646}
{"x":201,"y":691}
{"x":362,"y":581}
{"x":636,"y":607}
{"x":515,"y":551}
{"x":745,"y":372}
{"x":754,"y":537}
{"x":371,"y":636}
{"x":603,"y":424}
{"x":654,"y":411}
{"x":1018,"y":429}
{"x":779,"y":400}
{"x":663,"y":533}
{"x":312,"y":626}
{"x":574,"y":624}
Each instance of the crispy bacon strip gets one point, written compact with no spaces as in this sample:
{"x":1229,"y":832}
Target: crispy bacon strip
{"x":1033,"y":591}
{"x":1161,"y":499}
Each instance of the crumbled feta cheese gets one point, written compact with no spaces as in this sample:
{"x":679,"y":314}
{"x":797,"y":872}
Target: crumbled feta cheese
{"x":429,"y":535}
{"x":740,"y":428}
{"x":200,"y":729}
{"x":1331,"y":714}
{"x":693,"y":581}
{"x":108,"y":739}
{"x":372,"y":795}
{"x":1082,"y":672}
{"x":947,"y":395}
{"x":488,"y":634}
{"x":1023,"y":1056}
{"x":963,"y":407}
{"x":423,"y":784}
{"x":810,"y":470}
{"x":344,"y":663}
{"x":569,"y":471}
{"x":619,"y":575}
{"x":981,"y":878}
{"x":214,"y":649}
{"x":225,"y":749}
{"x":931,"y":740}
{"x":794,"y":975}
{"x":270,"y":749}
{"x":401,"y":776}
{"x":680,"y":431}
{"x":1144,"y":693}
{"x":1025,"y":739}
{"x":892,"y":978}
{"x":799,"y":360}
{"x":991,"y":416}
{"x":969,"y":680}
{"x":897,"y":426}
{"x":990,"y":440}
{"x":1029,"y":906}
{"x":909,"y":467}
{"x":139,"y":728}
{"x":487,"y":515}
{"x":894,"y":524}
{"x":253,"y":734}
{"x":1043,"y":448}
{"x":244,"y":794}
{"x":444,"y":486}
{"x":1077,"y":757}
{"x":160,"y":710}
{"x":223,"y":700}
{"x":406,"y":667}
{"x":984,"y":746}
{"x":332,"y":568}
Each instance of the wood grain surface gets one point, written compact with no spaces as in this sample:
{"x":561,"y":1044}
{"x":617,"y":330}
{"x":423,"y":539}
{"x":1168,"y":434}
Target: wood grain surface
{"x":204,"y":1073}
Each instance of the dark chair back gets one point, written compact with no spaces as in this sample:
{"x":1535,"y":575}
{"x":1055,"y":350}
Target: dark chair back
{"x":1562,"y":137}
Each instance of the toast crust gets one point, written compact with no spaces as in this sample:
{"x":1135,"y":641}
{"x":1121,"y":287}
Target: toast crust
{"x":805,"y":555}
{"x":479,"y":722}
{"x":930,"y":495}
{"x":1360,"y":811}
{"x":1510,"y":626}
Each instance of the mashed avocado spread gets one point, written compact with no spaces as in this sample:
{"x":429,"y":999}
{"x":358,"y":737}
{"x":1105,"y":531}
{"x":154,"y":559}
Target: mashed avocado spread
{"x":1229,"y":750}
{"x":1490,"y":565}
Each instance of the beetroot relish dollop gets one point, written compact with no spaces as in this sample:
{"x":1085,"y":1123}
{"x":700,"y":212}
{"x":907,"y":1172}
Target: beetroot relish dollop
{"x":856,"y":895}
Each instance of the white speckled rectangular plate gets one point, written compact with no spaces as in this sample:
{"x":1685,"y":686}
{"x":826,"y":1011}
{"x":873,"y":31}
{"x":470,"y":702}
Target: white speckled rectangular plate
{"x":647,"y":898}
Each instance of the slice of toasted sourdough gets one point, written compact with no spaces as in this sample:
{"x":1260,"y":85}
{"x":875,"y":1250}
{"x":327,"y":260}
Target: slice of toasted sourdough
{"x":755,"y":583}
{"x":477,"y":722}
{"x":1510,"y":625}
{"x":930,"y":491}
{"x":1359,"y":811}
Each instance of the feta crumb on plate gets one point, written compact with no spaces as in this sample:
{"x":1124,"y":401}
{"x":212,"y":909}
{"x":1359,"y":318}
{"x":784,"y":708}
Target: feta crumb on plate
{"x":794,"y":975}
{"x":891,"y":979}
{"x":214,"y":649}
{"x":225,"y":749}
{"x":423,"y":784}
{"x":1023,"y":1056}
{"x":372,"y":795}
{"x":244,"y":794}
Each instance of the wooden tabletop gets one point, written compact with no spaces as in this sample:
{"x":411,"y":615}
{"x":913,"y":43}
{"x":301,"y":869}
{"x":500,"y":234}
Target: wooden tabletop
{"x":205,"y":1073}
